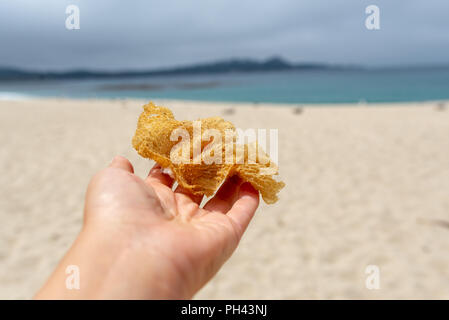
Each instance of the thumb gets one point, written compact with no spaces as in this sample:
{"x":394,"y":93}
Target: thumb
{"x":120,"y":162}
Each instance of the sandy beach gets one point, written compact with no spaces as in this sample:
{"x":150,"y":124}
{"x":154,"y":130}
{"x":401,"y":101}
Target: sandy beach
{"x":365,"y":185}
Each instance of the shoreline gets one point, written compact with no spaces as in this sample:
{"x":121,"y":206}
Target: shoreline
{"x":25,"y":98}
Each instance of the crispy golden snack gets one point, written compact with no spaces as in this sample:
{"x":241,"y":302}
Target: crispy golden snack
{"x":152,"y":140}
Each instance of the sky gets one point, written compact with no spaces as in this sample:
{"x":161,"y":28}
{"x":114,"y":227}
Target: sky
{"x":144,"y":34}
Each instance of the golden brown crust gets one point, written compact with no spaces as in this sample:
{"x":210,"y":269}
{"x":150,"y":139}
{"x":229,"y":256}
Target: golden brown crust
{"x":152,"y":140}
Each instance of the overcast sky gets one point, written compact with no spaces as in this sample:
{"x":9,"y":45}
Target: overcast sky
{"x":136,"y":34}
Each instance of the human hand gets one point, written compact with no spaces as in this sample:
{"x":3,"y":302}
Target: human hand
{"x":142,"y":240}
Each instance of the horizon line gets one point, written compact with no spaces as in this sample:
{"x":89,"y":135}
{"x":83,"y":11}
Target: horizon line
{"x":286,"y":65}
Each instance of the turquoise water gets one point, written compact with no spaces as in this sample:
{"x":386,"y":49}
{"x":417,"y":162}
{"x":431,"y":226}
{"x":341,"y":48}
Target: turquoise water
{"x":277,"y":87}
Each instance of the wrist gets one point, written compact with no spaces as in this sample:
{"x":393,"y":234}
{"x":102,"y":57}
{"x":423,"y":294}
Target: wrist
{"x":112,"y":267}
{"x":128,"y":269}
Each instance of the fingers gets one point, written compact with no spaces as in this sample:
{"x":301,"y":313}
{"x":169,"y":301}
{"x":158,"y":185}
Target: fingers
{"x":184,"y":196}
{"x":225,"y":197}
{"x":244,"y":208}
{"x":120,"y":162}
{"x":157,"y":176}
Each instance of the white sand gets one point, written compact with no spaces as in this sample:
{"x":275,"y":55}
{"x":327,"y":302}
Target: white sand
{"x":365,"y":185}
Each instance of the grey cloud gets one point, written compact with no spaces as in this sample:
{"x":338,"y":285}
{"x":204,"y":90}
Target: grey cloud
{"x":146,"y":34}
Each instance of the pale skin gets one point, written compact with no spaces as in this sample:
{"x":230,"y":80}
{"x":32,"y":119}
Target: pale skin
{"x":142,"y":240}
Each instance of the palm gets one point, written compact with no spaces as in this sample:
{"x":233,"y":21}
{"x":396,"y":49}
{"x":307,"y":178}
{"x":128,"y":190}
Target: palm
{"x":197,"y":241}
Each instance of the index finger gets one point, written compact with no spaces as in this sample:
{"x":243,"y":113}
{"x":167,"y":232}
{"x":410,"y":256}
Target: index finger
{"x":244,"y":208}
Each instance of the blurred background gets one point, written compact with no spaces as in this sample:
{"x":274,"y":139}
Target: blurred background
{"x":360,"y":99}
{"x":257,"y":51}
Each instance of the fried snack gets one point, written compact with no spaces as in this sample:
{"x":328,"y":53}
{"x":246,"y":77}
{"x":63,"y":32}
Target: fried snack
{"x":152,"y":140}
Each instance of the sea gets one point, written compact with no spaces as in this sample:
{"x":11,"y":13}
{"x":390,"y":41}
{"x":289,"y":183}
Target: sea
{"x":291,"y":87}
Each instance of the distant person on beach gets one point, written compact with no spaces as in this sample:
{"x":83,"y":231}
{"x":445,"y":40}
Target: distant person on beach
{"x":141,"y":240}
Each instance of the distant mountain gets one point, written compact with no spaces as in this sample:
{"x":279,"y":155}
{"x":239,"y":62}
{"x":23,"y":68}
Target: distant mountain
{"x":233,"y":65}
